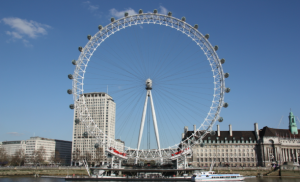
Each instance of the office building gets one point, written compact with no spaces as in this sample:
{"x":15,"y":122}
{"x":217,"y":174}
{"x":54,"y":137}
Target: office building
{"x":102,"y":110}
{"x":51,"y":147}
{"x":11,"y":147}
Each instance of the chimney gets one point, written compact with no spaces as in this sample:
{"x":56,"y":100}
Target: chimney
{"x":182,"y":136}
{"x":230,"y":130}
{"x":218,"y":130}
{"x":186,"y":129}
{"x":256,"y":131}
{"x":195,"y":129}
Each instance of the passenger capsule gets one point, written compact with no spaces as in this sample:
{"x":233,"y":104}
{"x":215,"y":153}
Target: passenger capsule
{"x":195,"y":26}
{"x":140,"y":11}
{"x":100,"y":27}
{"x":207,"y":36}
{"x":69,"y":91}
{"x":96,"y":145}
{"x":77,"y":121}
{"x":80,"y":49}
{"x":216,"y":48}
{"x":74,"y":62}
{"x":227,"y":90}
{"x":183,"y":18}
{"x":220,"y":119}
{"x":202,"y":145}
{"x":170,"y":13}
{"x":112,"y":19}
{"x":89,"y":37}
{"x":225,"y":105}
{"x":70,"y":76}
{"x":222,"y":61}
{"x":226,"y":75}
{"x":85,"y":134}
{"x":212,"y":133}
{"x":71,"y":106}
{"x":126,"y":14}
{"x":155,"y":11}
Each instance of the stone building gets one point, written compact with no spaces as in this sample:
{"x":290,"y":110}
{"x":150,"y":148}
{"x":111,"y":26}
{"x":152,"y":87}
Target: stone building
{"x":11,"y":147}
{"x":51,"y":147}
{"x":102,"y":109}
{"x":262,"y":147}
{"x":226,"y":148}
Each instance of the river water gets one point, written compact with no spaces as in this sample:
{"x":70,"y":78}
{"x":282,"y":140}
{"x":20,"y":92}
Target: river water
{"x":29,"y":179}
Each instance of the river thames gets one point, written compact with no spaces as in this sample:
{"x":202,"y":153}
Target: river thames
{"x":29,"y":179}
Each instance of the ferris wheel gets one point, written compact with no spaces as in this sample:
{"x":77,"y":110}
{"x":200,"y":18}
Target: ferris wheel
{"x":170,"y":78}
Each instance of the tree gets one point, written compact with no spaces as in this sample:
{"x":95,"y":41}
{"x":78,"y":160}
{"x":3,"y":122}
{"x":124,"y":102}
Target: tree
{"x":99,"y":156}
{"x":4,"y":158}
{"x":37,"y":156}
{"x":55,"y":158}
{"x":87,"y":156}
{"x":76,"y":155}
{"x":18,"y":158}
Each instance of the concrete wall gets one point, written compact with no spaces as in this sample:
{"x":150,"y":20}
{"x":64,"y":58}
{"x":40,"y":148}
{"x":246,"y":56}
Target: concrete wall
{"x":49,"y":171}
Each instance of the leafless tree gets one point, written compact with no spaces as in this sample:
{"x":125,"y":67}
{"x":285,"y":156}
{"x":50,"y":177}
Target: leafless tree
{"x":37,"y":156}
{"x":76,"y":155}
{"x":87,"y":156}
{"x":4,"y":158}
{"x":55,"y":158}
{"x":99,"y":156}
{"x":18,"y":158}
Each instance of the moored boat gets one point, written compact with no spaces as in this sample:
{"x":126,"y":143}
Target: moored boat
{"x":211,"y":176}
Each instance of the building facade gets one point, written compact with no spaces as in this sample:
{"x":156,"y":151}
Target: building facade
{"x":11,"y":147}
{"x":51,"y":147}
{"x":226,"y":148}
{"x":102,"y":109}
{"x":264,"y":147}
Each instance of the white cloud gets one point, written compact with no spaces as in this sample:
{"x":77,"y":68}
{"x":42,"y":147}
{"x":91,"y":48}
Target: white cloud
{"x":26,"y":43}
{"x":14,"y":34}
{"x":163,"y":10}
{"x":119,"y":14}
{"x":90,"y":6}
{"x":23,"y":27}
{"x":15,"y":133}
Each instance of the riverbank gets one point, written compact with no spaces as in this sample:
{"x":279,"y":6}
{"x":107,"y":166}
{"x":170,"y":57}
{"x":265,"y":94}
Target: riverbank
{"x":81,"y":171}
{"x":46,"y":171}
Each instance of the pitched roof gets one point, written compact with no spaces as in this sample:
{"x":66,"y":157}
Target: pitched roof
{"x":236,"y":134}
{"x":266,"y":131}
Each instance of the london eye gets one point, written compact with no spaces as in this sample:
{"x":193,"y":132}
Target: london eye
{"x":162,"y":73}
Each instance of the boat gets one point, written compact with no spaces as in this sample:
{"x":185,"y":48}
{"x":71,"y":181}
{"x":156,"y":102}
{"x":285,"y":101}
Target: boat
{"x":211,"y":176}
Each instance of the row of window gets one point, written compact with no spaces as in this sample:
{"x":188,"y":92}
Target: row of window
{"x":226,"y":160}
{"x":225,"y":154}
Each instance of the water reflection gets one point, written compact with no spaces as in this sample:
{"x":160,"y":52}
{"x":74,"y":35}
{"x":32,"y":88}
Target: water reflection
{"x":31,"y":179}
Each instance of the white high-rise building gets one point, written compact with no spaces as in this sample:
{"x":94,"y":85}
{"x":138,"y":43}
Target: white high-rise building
{"x":102,"y":109}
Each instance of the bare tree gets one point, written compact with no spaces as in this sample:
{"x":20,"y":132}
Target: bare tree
{"x":55,"y":158}
{"x":99,"y":156}
{"x":4,"y":158}
{"x":76,"y":155}
{"x":37,"y":156}
{"x":18,"y":158}
{"x":87,"y":156}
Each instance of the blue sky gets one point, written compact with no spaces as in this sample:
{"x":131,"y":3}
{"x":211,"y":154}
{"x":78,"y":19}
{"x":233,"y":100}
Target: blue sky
{"x":39,"y":39}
